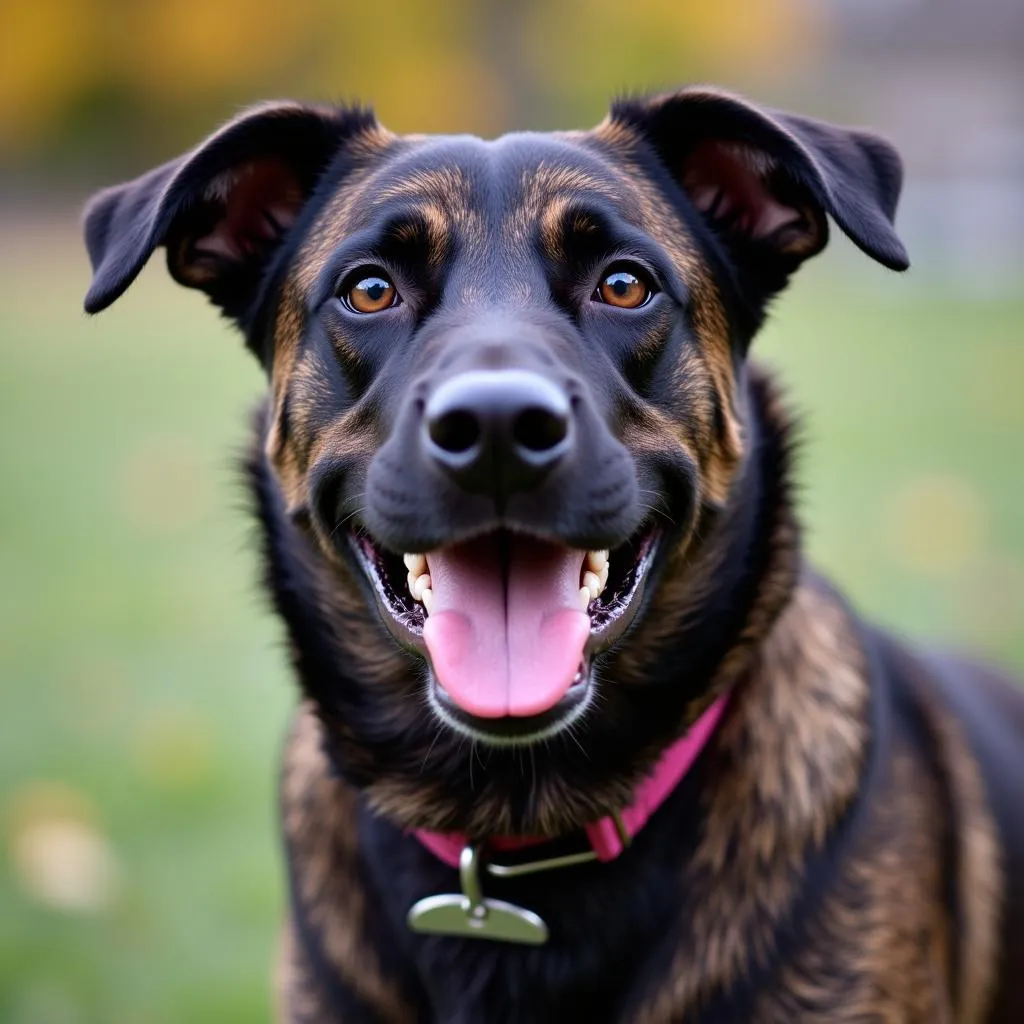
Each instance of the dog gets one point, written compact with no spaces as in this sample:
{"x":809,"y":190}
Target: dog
{"x":582,"y":736}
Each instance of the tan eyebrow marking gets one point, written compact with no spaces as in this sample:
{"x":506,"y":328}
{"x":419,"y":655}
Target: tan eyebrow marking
{"x":439,"y":227}
{"x":545,"y":186}
{"x":552,"y":223}
{"x":448,"y":200}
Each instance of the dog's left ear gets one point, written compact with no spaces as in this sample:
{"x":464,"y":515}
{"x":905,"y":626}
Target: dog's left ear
{"x":765,"y":180}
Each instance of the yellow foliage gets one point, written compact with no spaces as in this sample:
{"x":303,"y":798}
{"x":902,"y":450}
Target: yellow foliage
{"x":417,"y":63}
{"x":426,"y":66}
{"x":607,"y":47}
{"x":192,"y":48}
{"x":45,"y":59}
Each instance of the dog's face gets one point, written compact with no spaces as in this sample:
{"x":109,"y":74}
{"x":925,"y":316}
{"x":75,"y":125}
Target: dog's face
{"x":507,"y":377}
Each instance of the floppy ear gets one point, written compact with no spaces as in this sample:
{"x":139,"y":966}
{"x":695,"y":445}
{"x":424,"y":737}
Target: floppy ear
{"x":220,"y":210}
{"x":764,"y":180}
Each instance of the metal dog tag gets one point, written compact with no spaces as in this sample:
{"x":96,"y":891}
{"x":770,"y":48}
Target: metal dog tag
{"x":452,"y":914}
{"x":470,"y":915}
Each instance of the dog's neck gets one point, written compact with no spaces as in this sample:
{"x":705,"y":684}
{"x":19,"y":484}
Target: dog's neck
{"x":611,"y":836}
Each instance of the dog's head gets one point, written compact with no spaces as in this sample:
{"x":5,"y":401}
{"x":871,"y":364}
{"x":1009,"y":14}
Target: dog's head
{"x":509,"y":407}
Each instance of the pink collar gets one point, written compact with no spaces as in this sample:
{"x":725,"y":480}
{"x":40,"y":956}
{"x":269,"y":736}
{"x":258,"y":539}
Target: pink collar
{"x":604,"y":835}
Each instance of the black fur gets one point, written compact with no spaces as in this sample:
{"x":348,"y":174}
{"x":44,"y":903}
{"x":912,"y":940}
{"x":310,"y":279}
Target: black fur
{"x":762,"y":889}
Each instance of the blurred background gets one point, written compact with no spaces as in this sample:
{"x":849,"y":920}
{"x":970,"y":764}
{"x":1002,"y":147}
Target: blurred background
{"x":145,"y":689}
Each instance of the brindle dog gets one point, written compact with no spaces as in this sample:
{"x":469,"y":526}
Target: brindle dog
{"x":502,"y":359}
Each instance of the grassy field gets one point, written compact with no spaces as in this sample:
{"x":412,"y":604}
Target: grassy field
{"x":145,"y":690}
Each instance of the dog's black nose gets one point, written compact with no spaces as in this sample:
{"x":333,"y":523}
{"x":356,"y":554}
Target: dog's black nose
{"x":497,"y":430}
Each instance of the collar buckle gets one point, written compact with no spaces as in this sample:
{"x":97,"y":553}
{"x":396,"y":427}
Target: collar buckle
{"x":567,"y":860}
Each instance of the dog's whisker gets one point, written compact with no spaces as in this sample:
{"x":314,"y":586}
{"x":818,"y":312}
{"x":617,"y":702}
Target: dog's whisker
{"x":341,"y":522}
{"x":437,"y":733}
{"x":658,"y":507}
{"x":571,"y":732}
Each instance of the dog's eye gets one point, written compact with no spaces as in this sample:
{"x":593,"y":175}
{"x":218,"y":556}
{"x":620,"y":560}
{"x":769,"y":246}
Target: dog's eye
{"x":371,"y":294}
{"x":624,"y":288}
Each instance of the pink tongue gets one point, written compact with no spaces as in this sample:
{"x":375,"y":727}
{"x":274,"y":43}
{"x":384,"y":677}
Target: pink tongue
{"x":505,"y":641}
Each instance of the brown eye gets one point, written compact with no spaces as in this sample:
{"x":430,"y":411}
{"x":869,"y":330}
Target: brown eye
{"x":624,"y":289}
{"x":371,"y":294}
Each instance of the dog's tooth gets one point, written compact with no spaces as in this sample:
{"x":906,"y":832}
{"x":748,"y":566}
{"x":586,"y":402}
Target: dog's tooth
{"x":584,"y":598}
{"x":421,"y":583}
{"x":592,"y":584}
{"x":603,"y":576}
{"x":410,"y":580}
{"x":416,"y":564}
{"x":427,"y":597}
{"x":597,"y":560}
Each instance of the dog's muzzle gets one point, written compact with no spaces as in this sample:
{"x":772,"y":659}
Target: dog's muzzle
{"x":502,"y":489}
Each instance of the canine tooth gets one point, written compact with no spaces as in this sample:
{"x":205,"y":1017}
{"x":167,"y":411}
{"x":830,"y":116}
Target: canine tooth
{"x":584,"y":598}
{"x":416,"y":564}
{"x":427,"y":597}
{"x":421,"y":583}
{"x":597,"y":560}
{"x":592,"y":584}
{"x":603,"y":576}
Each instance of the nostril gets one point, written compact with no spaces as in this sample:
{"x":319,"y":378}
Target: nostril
{"x":457,"y":431}
{"x":497,"y":430}
{"x":539,"y":430}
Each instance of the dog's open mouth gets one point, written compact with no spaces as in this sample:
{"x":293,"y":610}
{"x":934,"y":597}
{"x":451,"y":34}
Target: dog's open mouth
{"x":509,"y":622}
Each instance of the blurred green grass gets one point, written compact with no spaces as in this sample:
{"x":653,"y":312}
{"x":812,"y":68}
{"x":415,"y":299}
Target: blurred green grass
{"x":145,"y":687}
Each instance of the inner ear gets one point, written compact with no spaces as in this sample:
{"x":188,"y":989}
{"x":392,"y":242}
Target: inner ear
{"x":746,"y":195}
{"x":241,"y":216}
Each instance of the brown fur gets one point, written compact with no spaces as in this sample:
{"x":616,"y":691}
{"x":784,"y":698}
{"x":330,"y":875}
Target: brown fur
{"x":322,"y":838}
{"x":841,"y":850}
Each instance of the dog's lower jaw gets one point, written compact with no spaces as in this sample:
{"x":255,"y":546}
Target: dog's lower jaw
{"x":510,"y":730}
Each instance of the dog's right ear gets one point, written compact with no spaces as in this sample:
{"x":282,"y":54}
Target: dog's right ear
{"x":220,"y":210}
